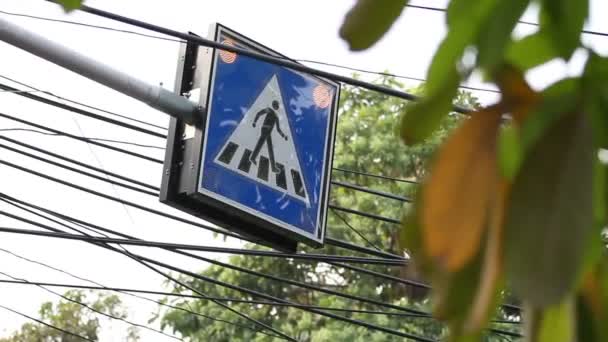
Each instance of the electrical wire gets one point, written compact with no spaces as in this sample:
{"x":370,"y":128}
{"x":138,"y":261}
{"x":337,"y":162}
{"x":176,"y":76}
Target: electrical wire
{"x":364,"y":214}
{"x":371,"y":191}
{"x":328,"y":240}
{"x":395,"y":307}
{"x":129,"y":292}
{"x":71,"y":22}
{"x":84,"y":305}
{"x":297,"y":60}
{"x":230,"y":266}
{"x":81,"y":111}
{"x":138,"y":259}
{"x":343,"y":219}
{"x":200,"y":248}
{"x":44,"y":160}
{"x":99,"y":228}
{"x":224,"y":299}
{"x":46,"y":324}
{"x":87,"y":138}
{"x":135,"y":205}
{"x":441,"y":9}
{"x":383,"y":73}
{"x":361,"y":173}
{"x":162,"y":265}
{"x":76,"y":162}
{"x":335,"y":183}
{"x":260,"y":56}
{"x":147,"y":261}
{"x":17,"y":91}
{"x":110,"y":147}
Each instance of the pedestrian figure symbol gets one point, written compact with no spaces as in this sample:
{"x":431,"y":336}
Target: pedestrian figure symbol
{"x":270,"y":122}
{"x":261,"y":147}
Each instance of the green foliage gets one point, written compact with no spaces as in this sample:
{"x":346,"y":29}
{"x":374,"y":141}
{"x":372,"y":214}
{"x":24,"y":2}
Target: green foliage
{"x":366,"y":142}
{"x":70,"y":5}
{"x":541,"y":225}
{"x":369,"y":20}
{"x":72,"y":317}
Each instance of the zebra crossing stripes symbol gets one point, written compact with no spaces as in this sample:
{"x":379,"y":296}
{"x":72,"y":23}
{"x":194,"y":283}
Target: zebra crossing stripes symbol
{"x":263,"y":173}
{"x":261,"y":147}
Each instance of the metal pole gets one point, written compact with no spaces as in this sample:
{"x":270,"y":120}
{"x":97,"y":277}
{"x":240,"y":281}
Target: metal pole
{"x":153,"y":95}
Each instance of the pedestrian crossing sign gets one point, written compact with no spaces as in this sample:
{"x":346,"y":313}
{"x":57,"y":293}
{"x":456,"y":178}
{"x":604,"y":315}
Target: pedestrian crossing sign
{"x":268,"y":139}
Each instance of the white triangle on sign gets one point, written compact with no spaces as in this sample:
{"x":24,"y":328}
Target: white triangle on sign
{"x":271,"y":129}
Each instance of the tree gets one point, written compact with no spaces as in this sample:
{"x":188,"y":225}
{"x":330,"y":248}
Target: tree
{"x":522,"y":203}
{"x":70,"y":316}
{"x":366,"y":142}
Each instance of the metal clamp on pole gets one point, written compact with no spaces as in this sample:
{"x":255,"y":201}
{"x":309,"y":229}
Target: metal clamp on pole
{"x":153,"y":95}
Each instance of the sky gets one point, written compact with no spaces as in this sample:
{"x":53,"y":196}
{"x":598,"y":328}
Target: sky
{"x":299,"y":29}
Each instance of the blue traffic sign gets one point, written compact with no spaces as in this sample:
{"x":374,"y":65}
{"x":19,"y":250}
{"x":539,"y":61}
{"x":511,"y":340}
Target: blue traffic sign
{"x":268,"y":140}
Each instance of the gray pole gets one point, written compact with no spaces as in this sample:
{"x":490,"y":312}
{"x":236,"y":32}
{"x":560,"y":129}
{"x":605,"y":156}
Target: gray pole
{"x":155,"y":96}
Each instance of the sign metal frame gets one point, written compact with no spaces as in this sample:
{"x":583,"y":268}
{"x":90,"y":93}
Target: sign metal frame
{"x":181,"y":185}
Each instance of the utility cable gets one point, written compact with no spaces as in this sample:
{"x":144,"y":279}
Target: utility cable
{"x":260,"y":56}
{"x":363,"y":214}
{"x":150,"y":210}
{"x":343,"y":219}
{"x":90,"y":26}
{"x":375,"y":176}
{"x":441,"y":9}
{"x":371,"y":191}
{"x":335,"y":183}
{"x":382,"y":73}
{"x":143,"y":259}
{"x":187,"y":247}
{"x":148,"y":261}
{"x":84,"y":305}
{"x":47,"y":324}
{"x":184,"y":41}
{"x":131,"y":256}
{"x":126,"y":186}
{"x":240,"y":269}
{"x":129,"y":292}
{"x":328,"y":240}
{"x":76,"y":162}
{"x":224,"y":299}
{"x":110,"y":147}
{"x":415,"y":312}
{"x":87,"y":138}
{"x":81,"y":111}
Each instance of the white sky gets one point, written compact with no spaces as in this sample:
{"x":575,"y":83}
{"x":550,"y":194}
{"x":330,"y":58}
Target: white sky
{"x":299,"y":29}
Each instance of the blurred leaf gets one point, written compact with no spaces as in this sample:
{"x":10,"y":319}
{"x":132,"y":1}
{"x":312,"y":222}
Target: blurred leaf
{"x":497,"y":32}
{"x":563,"y":21}
{"x":510,"y":152}
{"x":558,"y":323}
{"x":558,"y":99}
{"x":592,"y":305}
{"x":466,"y":164}
{"x":516,"y":93}
{"x":70,"y":5}
{"x":492,"y":266}
{"x":454,"y":292}
{"x":465,"y":19}
{"x":368,"y":21}
{"x":423,"y":117}
{"x":551,"y":204}
{"x":531,"y":51}
{"x":596,"y":96}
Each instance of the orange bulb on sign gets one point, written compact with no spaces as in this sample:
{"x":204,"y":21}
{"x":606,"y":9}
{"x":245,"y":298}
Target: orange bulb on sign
{"x":321,"y":95}
{"x":227,"y":56}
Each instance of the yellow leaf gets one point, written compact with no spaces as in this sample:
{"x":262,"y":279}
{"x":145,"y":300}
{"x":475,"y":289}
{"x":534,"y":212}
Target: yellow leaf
{"x":516,"y":93}
{"x":492,"y":264}
{"x":459,"y":191}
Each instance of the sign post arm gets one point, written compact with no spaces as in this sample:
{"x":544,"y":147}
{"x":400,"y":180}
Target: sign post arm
{"x":155,"y":96}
